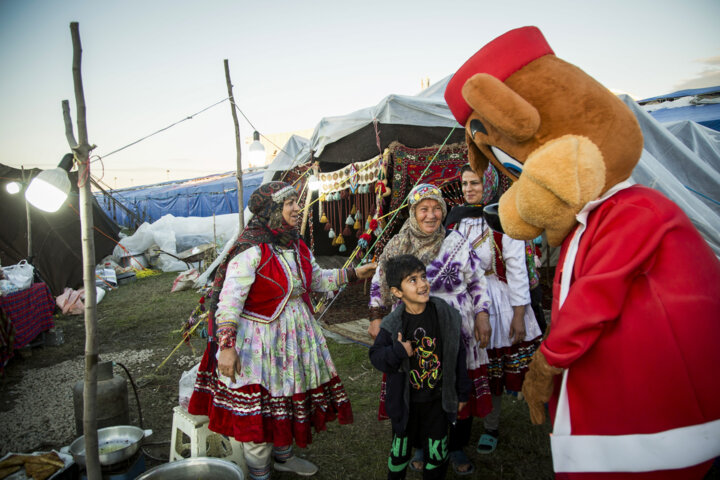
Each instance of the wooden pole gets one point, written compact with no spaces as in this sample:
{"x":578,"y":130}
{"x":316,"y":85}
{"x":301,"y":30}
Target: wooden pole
{"x":238,"y":172}
{"x":82,"y":155}
{"x":308,"y":199}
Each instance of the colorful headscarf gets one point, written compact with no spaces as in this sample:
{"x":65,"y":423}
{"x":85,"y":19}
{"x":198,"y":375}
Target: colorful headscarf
{"x":491,"y":181}
{"x":266,"y":226}
{"x":411,"y":239}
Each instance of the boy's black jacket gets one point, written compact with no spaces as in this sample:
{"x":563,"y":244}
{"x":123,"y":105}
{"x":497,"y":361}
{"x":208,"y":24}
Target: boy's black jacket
{"x":389,"y":356}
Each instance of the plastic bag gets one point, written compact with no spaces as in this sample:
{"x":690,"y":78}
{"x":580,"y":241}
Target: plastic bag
{"x":185,"y":281}
{"x":187,"y":385}
{"x":21,"y":274}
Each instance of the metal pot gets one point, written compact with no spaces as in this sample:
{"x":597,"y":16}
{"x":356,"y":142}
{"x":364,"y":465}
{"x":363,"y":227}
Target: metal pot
{"x":194,"y":468}
{"x":115,"y":444}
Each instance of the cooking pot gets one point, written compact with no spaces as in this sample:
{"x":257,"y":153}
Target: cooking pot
{"x":193,"y":469}
{"x":115,"y":444}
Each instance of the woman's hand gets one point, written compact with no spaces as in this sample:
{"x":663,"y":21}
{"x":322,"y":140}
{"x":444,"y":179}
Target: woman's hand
{"x":374,"y":327}
{"x":517,"y":326}
{"x":228,"y":363}
{"x":366,"y":271}
{"x":482,"y":329}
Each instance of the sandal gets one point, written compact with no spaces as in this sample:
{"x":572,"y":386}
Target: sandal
{"x":458,"y":459}
{"x":417,"y":458}
{"x":488,"y":442}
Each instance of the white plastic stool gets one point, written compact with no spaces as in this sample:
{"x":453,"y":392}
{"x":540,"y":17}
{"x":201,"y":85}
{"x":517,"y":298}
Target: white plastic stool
{"x":203,"y":442}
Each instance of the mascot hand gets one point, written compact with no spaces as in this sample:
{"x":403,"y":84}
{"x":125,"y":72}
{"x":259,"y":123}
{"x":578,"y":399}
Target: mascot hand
{"x":538,"y":386}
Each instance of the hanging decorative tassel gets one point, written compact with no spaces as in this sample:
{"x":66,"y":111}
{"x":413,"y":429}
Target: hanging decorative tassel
{"x":342,"y":248}
{"x":354,"y":210}
{"x":328,"y":227}
{"x":359,"y":233}
{"x":346,"y":231}
{"x":331,"y":233}
{"x":358,"y":216}
{"x":363,"y":241}
{"x":350,"y":220}
{"x":339,"y":240}
{"x":356,"y":225}
{"x":323,"y":219}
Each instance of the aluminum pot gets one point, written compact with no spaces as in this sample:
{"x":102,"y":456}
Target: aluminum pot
{"x":115,"y":444}
{"x":193,"y":469}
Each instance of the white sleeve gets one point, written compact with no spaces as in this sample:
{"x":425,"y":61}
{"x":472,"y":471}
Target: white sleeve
{"x":513,"y":252}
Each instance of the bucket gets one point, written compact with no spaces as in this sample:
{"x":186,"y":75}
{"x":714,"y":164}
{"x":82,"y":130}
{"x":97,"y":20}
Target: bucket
{"x":112,"y":399}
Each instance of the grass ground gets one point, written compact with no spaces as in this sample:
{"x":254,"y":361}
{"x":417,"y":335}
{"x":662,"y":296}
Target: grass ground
{"x":145,"y":315}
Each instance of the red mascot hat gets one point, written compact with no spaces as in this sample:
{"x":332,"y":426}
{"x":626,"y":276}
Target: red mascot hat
{"x":500,"y":58}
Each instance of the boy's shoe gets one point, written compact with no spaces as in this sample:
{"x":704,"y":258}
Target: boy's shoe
{"x":296,"y":465}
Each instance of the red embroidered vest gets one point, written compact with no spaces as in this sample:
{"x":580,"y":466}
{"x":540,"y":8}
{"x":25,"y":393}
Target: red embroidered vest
{"x":272,"y":286}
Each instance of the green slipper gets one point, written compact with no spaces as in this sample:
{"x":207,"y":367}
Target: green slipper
{"x":488,"y":442}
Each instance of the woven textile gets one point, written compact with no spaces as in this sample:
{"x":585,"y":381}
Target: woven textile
{"x":30,"y":311}
{"x":409,"y":164}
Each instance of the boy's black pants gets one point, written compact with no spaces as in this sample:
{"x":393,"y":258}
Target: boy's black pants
{"x":427,"y":426}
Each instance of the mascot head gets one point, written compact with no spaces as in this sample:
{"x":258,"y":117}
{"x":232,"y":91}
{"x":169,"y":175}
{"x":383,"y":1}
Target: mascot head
{"x":561,"y":136}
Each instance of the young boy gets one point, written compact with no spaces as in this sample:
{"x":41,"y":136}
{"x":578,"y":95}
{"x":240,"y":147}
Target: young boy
{"x":420,"y":349}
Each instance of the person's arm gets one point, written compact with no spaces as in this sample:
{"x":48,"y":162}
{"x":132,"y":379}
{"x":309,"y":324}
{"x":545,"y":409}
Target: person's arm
{"x":513,"y":252}
{"x":387,"y":354}
{"x":477,"y":289}
{"x":239,"y":278}
{"x":329,"y":280}
{"x":377,"y":308}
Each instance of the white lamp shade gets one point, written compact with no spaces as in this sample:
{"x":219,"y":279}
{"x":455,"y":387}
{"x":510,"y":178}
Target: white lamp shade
{"x":256,"y":152}
{"x":49,"y":189}
{"x":12,"y":188}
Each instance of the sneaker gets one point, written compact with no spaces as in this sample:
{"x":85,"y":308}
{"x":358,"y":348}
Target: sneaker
{"x":296,"y":465}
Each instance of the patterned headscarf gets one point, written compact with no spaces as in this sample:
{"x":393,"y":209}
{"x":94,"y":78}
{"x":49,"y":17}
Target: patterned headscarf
{"x":411,"y":239}
{"x":266,"y":226}
{"x":490,"y":181}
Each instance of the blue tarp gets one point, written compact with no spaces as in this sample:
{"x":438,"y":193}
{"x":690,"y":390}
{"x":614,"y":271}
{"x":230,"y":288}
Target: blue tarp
{"x":198,"y":197}
{"x":706,"y":115}
{"x":681,"y":93}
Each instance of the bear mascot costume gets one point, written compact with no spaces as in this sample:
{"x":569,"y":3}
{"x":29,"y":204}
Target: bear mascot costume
{"x":630,"y":367}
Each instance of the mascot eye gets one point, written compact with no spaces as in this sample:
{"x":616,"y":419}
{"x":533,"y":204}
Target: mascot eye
{"x":507,"y":161}
{"x":477,"y":126}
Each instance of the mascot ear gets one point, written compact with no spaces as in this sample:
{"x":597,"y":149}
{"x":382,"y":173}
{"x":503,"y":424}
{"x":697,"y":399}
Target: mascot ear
{"x":501,"y":107}
{"x":477,"y":160}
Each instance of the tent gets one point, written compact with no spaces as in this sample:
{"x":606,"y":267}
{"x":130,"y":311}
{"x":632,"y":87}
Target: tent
{"x":56,"y":238}
{"x":196,"y":197}
{"x":683,"y":162}
{"x":700,"y":105}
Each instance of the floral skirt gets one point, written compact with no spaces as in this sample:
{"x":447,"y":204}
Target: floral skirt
{"x":251,"y":414}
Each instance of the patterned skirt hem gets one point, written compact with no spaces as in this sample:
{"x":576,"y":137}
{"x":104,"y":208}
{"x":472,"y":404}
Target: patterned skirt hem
{"x":251,"y":414}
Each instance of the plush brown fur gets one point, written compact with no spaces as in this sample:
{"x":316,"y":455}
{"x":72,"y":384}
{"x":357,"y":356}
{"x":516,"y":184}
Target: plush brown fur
{"x":601,"y":142}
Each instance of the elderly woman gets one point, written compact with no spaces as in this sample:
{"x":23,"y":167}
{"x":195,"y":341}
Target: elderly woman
{"x":454,"y":273}
{"x":270,"y":377}
{"x":515,"y":331}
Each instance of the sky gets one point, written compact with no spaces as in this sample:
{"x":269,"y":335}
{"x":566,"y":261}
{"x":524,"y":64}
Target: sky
{"x":150,"y":64}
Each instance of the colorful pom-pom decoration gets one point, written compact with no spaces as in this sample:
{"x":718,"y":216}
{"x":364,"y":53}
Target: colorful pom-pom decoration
{"x":373,"y":224}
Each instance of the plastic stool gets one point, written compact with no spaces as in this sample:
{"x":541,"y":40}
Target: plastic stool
{"x":203,"y":442}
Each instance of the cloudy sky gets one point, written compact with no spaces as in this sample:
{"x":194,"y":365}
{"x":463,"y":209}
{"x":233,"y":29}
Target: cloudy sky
{"x":151,"y":64}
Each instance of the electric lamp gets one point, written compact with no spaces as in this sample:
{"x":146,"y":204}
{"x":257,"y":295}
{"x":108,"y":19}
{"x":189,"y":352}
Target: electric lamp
{"x":50,"y":188}
{"x":256,"y":151}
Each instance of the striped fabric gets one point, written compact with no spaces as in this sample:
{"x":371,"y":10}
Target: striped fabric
{"x":30,"y":311}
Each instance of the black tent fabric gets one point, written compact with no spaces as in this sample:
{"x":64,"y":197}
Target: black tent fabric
{"x":56,"y":237}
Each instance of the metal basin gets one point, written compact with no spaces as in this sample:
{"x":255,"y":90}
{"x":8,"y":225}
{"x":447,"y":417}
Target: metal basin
{"x":115,"y":444}
{"x":205,"y":468}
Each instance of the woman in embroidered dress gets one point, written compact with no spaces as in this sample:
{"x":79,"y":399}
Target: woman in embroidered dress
{"x":270,"y":377}
{"x":453,"y":271}
{"x":515,"y":332}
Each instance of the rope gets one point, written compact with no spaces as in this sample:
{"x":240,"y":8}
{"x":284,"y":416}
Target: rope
{"x":189,"y":117}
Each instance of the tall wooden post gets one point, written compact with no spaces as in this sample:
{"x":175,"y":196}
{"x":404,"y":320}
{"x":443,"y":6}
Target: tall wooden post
{"x":82,"y":155}
{"x":238,"y":173}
